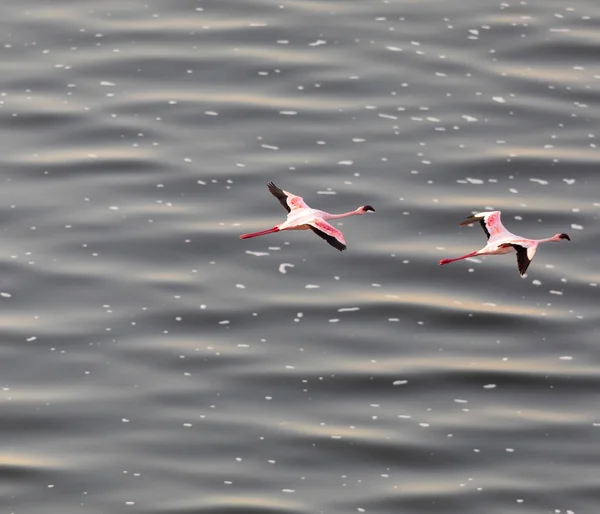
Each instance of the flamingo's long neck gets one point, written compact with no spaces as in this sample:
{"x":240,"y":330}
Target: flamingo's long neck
{"x":343,"y":215}
{"x":552,"y":239}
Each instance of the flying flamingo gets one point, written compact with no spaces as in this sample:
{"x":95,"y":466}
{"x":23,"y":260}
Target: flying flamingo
{"x":302,"y":217}
{"x":501,"y":241}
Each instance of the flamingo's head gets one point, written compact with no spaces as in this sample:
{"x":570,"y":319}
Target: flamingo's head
{"x":563,"y":236}
{"x":367,"y":208}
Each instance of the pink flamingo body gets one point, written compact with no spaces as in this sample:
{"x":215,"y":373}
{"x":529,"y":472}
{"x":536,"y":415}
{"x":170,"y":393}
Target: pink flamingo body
{"x":501,"y":241}
{"x":302,"y":217}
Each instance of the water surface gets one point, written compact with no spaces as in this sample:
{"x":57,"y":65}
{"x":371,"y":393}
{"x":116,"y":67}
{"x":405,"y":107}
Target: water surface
{"x":152,"y":362}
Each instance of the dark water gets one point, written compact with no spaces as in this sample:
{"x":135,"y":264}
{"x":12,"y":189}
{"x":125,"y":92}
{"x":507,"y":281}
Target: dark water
{"x":152,"y":362}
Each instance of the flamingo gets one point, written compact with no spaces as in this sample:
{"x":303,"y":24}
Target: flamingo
{"x":302,"y":217}
{"x":501,"y":241}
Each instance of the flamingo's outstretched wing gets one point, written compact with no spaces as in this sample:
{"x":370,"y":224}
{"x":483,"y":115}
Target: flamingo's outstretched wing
{"x":523,"y":260}
{"x":490,"y":223}
{"x":289,"y":201}
{"x":331,"y":234}
{"x":525,"y":255}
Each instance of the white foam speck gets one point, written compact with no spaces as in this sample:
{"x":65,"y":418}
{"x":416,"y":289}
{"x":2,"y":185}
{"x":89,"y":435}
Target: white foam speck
{"x":283,"y":266}
{"x":400,"y":382}
{"x":257,"y":254}
{"x":576,"y":227}
{"x":349,"y":309}
{"x":499,"y":99}
{"x":311,"y":286}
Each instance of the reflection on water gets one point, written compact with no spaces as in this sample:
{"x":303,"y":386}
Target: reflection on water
{"x":154,"y":362}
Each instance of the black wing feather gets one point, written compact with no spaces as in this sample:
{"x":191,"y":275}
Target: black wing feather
{"x":279,"y":194}
{"x":330,"y":239}
{"x":522,"y":260}
{"x":484,"y":227}
{"x":473,"y":219}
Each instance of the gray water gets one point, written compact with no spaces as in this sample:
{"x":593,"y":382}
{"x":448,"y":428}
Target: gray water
{"x":152,"y":362}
